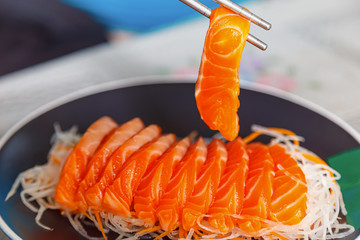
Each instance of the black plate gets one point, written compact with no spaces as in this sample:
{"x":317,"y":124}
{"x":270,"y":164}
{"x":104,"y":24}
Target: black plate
{"x":164,"y":101}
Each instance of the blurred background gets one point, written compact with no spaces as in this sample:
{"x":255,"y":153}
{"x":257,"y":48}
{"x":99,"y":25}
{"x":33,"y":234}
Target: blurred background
{"x":34,"y":31}
{"x":49,"y":48}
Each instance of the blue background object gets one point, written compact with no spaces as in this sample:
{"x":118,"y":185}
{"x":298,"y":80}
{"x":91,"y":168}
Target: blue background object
{"x":137,"y":15}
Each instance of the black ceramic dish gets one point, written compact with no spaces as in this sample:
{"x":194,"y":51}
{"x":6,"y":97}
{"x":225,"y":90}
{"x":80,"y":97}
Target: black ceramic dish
{"x":164,"y":101}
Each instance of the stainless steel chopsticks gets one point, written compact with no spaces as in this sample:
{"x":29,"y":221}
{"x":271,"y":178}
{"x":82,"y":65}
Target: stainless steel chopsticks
{"x":206,"y":11}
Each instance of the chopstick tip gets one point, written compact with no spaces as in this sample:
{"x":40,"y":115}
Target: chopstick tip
{"x":268,"y":26}
{"x":256,"y":42}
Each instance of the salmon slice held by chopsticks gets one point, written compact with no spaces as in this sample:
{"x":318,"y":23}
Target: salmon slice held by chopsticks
{"x":181,"y":185}
{"x":230,"y":195}
{"x":94,"y":195}
{"x":75,"y":166}
{"x":206,"y":185}
{"x":102,"y":155}
{"x":118,"y":197}
{"x":153,"y":185}
{"x":217,"y":87}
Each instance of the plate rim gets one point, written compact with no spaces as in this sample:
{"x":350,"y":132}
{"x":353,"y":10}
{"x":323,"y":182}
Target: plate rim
{"x":165,"y":79}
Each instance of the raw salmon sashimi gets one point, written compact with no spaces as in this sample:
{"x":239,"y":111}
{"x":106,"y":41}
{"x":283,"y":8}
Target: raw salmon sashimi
{"x":118,"y":197}
{"x":258,"y":187}
{"x":181,"y":186}
{"x":154,"y":182}
{"x":75,"y":166}
{"x":217,"y":87}
{"x":288,"y":201}
{"x":102,"y":155}
{"x":230,"y":195}
{"x":138,"y":183}
{"x":95,"y":194}
{"x":206,"y":185}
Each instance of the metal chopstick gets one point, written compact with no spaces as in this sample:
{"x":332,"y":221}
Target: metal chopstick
{"x":245,"y":13}
{"x":206,"y":11}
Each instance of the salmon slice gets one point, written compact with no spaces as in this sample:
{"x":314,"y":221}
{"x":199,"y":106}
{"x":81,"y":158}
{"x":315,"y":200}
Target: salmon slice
{"x":75,"y":166}
{"x":154,"y":182}
{"x":181,"y":186}
{"x":288,"y":202}
{"x":102,"y":155}
{"x":258,"y":187}
{"x":206,"y":185}
{"x":94,"y":195}
{"x":230,"y":195}
{"x":217,"y":87}
{"x":118,"y":197}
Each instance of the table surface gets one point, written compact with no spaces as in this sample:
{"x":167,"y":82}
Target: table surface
{"x":314,"y":52}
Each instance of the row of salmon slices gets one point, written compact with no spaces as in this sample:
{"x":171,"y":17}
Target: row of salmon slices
{"x":136,"y":171}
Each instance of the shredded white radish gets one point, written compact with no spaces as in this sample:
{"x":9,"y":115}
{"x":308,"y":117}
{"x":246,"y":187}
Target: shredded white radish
{"x":190,"y":234}
{"x":39,"y":182}
{"x":324,"y":199}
